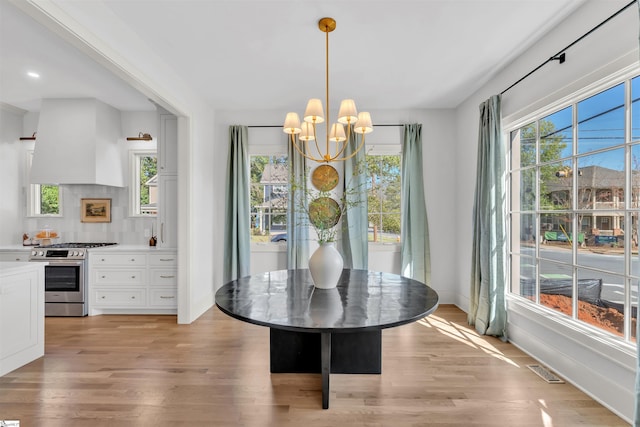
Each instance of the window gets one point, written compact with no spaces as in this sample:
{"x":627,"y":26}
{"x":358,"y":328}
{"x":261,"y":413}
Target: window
{"x":143,"y":187}
{"x":573,"y":244}
{"x":269,"y":197}
{"x":383,"y":185}
{"x":44,"y":200}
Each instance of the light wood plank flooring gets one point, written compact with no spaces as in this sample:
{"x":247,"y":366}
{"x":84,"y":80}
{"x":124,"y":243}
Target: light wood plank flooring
{"x":149,"y":371}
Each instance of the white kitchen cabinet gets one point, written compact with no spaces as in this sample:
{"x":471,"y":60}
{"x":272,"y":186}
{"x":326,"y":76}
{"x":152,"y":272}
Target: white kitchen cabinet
{"x":168,"y":145}
{"x":14,"y":256}
{"x":119,"y":276}
{"x":21,"y":314}
{"x":163,"y":280}
{"x":119,"y":260}
{"x":168,"y":181}
{"x":119,"y":298}
{"x":163,"y":298}
{"x":133,"y":282}
{"x":168,"y":211}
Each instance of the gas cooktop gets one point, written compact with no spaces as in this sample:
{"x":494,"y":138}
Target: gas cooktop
{"x":64,"y":251}
{"x":76,"y":245}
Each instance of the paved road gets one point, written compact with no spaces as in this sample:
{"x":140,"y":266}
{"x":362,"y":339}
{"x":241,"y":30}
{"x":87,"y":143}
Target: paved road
{"x":612,"y":284}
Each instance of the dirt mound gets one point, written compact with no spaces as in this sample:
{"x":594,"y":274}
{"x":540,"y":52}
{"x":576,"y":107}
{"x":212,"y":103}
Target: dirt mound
{"x":608,"y":319}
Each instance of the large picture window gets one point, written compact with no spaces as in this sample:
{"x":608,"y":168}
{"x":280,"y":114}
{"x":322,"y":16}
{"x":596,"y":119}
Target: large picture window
{"x":574,"y":210}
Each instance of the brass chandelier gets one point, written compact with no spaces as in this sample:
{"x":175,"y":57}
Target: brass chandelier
{"x":314,"y":115}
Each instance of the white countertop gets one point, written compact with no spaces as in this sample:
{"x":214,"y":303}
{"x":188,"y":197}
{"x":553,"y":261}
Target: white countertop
{"x":7,"y":268}
{"x":13,"y":248}
{"x":132,"y":248}
{"x":20,"y":248}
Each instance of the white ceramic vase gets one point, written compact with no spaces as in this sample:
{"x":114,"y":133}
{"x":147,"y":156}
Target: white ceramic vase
{"x":325,"y":266}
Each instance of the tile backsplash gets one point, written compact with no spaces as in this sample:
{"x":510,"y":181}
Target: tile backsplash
{"x":122,"y":229}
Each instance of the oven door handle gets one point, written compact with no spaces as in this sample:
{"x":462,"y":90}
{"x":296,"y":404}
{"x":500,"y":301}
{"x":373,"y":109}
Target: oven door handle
{"x":64,"y":263}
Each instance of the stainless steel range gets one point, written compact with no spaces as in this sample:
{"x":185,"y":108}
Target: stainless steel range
{"x":65,"y":278}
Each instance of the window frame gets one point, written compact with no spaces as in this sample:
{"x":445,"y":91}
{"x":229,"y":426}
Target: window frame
{"x":387,"y":149}
{"x":271,"y":150}
{"x":34,"y":194}
{"x":134,"y":181}
{"x":514,"y":123}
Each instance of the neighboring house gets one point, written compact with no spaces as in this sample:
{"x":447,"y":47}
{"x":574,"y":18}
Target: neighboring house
{"x":151,"y":208}
{"x":598,"y":188}
{"x":272,"y":211}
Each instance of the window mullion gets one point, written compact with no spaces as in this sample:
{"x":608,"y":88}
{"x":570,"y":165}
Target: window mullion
{"x":538,"y":219}
{"x":574,"y":207}
{"x":628,"y":194}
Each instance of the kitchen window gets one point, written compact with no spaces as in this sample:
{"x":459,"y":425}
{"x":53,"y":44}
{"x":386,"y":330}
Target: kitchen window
{"x":143,"y":186}
{"x":43,"y":199}
{"x":573,"y":233}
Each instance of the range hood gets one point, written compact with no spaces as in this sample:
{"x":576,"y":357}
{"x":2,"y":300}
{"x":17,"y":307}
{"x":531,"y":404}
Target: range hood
{"x":77,"y":143}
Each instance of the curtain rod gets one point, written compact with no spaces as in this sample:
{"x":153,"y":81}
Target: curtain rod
{"x":560,"y":56}
{"x":279,"y":126}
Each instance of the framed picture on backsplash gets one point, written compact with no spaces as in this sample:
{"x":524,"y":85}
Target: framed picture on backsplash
{"x":95,"y":210}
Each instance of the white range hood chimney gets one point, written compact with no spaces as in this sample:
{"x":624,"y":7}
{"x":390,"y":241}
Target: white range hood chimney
{"x":77,"y":143}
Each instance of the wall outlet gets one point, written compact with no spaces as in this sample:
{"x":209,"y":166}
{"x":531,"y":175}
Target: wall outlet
{"x":147,"y":232}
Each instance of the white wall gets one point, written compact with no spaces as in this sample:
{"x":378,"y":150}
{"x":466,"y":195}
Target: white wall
{"x":11,"y":167}
{"x":603,"y":370}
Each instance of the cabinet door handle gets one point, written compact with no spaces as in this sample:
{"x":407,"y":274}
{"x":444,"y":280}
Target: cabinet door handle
{"x":162,"y":232}
{"x":167,"y":277}
{"x":166,"y":259}
{"x":164,"y":297}
{"x":17,"y":259}
{"x":102,"y":260}
{"x":133,"y":277}
{"x":133,"y":297}
{"x":133,"y":259}
{"x":103,"y":297}
{"x":103,"y":277}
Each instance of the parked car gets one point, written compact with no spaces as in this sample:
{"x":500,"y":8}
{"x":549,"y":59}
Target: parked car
{"x":282,"y":237}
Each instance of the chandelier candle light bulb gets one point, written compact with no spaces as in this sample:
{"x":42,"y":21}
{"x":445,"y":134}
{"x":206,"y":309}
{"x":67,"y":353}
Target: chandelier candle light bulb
{"x":314,"y":114}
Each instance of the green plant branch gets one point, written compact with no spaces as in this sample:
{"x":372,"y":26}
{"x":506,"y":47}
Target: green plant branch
{"x":321,"y":218}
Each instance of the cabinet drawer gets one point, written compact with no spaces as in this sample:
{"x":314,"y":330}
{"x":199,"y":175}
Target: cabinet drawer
{"x":119,"y":277}
{"x":119,"y":298}
{"x":118,"y":259}
{"x":163,"y":297}
{"x":14,"y":256}
{"x":162,"y":277}
{"x":163,"y":260}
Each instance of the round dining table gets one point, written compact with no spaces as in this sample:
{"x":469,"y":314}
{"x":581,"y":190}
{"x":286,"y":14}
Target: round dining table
{"x":326,"y":331}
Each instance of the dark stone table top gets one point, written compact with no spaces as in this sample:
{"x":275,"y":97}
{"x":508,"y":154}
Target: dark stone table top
{"x":363,"y":300}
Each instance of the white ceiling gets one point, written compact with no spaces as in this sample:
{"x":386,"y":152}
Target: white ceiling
{"x":270,"y":54}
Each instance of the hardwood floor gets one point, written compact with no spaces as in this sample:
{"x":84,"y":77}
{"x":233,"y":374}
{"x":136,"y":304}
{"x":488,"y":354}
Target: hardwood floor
{"x":149,"y":371}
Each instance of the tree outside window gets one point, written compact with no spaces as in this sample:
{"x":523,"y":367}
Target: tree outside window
{"x":44,"y":199}
{"x":384,"y":197}
{"x":144,"y":183}
{"x":268,"y":196}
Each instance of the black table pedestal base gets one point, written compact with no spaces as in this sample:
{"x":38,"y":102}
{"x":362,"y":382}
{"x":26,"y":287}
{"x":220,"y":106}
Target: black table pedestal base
{"x":326,"y":353}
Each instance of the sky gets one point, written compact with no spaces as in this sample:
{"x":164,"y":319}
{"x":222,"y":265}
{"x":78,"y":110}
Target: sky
{"x":601,"y":120}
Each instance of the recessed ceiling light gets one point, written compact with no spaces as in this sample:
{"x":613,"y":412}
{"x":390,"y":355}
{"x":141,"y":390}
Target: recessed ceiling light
{"x":33,"y":74}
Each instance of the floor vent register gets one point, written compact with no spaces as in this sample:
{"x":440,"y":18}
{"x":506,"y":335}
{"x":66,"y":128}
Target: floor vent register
{"x":546,"y":374}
